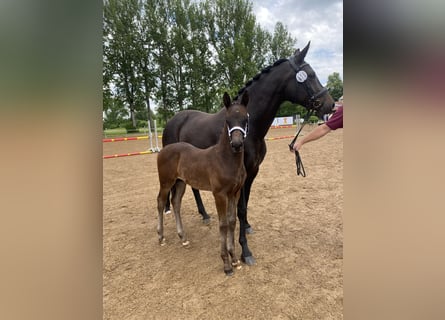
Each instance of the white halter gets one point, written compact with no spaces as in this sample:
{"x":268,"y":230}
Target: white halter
{"x":244,"y":131}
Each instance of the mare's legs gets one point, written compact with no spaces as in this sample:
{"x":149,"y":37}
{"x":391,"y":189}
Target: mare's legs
{"x":177,"y":193}
{"x":200,"y":205}
{"x":246,"y":254}
{"x":247,"y":187}
{"x":221,"y":206}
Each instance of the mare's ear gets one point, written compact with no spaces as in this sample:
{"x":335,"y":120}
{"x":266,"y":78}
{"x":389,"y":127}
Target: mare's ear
{"x":301,"y":55}
{"x":245,"y":98}
{"x":226,"y":99}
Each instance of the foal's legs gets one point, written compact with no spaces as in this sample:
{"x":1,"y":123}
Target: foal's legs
{"x":231,"y":216}
{"x":177,"y":194}
{"x":221,"y":206}
{"x":167,"y":204}
{"x":162,"y":198}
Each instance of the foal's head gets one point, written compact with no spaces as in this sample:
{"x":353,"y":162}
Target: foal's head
{"x":237,"y":120}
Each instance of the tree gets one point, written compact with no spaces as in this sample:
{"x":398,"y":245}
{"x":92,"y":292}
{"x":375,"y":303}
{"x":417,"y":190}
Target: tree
{"x":282,"y":43}
{"x":202,"y":80}
{"x":182,"y":54}
{"x":261,"y":48}
{"x":146,"y":27}
{"x":115,"y":114}
{"x":335,"y":85}
{"x":288,"y":108}
{"x":121,"y":52}
{"x":160,"y":20}
{"x":230,"y":26}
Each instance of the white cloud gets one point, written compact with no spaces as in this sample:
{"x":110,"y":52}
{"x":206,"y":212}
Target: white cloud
{"x":263,"y":14}
{"x":318,"y":21}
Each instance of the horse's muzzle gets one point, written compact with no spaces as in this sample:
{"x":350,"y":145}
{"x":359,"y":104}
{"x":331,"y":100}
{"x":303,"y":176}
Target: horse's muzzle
{"x":237,"y":146}
{"x":236,"y":138}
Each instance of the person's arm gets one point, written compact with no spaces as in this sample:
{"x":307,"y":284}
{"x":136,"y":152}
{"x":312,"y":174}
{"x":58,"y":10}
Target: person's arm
{"x":315,"y":134}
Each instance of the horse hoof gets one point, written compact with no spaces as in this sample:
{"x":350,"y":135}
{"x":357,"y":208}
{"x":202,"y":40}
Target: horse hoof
{"x":186,"y":244}
{"x":228,"y":272}
{"x":162,"y":242}
{"x":249,"y":230}
{"x":168,"y":211}
{"x":206,"y":221}
{"x":237,"y":265}
{"x":250,"y":261}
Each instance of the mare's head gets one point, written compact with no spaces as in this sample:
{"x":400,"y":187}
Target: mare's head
{"x":305,"y":88}
{"x":237,"y":120}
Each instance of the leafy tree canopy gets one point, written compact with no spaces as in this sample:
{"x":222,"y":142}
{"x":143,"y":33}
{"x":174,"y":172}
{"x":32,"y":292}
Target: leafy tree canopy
{"x":335,"y":85}
{"x":182,"y":54}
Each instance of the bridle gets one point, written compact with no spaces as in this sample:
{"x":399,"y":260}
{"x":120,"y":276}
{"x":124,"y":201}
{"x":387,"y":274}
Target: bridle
{"x":301,"y":77}
{"x":298,"y":162}
{"x":314,"y":104}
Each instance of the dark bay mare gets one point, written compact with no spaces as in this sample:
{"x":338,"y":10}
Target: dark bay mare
{"x":286,"y":80}
{"x":219,"y":168}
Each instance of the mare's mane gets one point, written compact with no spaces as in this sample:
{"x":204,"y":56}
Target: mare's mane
{"x":257,"y":76}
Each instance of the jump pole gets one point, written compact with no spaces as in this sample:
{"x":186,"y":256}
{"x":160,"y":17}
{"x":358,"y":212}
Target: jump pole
{"x":126,"y":154}
{"x":278,"y":138}
{"x":124,"y":139}
{"x":152,"y":149}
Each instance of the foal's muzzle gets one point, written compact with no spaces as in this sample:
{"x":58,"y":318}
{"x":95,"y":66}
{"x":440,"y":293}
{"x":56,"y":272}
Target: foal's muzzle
{"x":237,"y":146}
{"x":237,"y":142}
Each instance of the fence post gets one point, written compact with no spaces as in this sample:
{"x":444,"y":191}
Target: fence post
{"x":297,"y":121}
{"x":150,"y":136}
{"x":156,"y":138}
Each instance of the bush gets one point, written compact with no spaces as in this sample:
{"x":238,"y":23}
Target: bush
{"x":313,"y":119}
{"x":128,"y":125}
{"x":142,"y":123}
{"x":107,"y":124}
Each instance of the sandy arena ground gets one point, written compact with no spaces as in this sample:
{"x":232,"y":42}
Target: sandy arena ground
{"x":297,"y":241}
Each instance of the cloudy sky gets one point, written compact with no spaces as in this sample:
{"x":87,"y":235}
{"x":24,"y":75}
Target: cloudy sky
{"x":318,"y":21}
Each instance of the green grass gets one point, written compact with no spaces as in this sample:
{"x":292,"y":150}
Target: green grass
{"x":122,"y":132}
{"x":114,"y":132}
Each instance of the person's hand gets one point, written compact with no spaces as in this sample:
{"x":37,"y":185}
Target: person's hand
{"x":297,"y":145}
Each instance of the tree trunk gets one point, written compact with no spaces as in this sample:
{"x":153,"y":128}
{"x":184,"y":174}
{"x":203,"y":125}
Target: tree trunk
{"x":147,"y":101}
{"x":133,"y":117}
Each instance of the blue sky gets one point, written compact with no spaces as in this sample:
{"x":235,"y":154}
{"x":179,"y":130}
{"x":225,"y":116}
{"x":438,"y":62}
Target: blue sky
{"x":318,"y":21}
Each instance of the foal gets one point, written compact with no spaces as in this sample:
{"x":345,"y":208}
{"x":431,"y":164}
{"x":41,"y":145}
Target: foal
{"x":219,"y":168}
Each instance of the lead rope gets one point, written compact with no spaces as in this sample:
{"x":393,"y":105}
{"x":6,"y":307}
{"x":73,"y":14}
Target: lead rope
{"x":298,"y":162}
